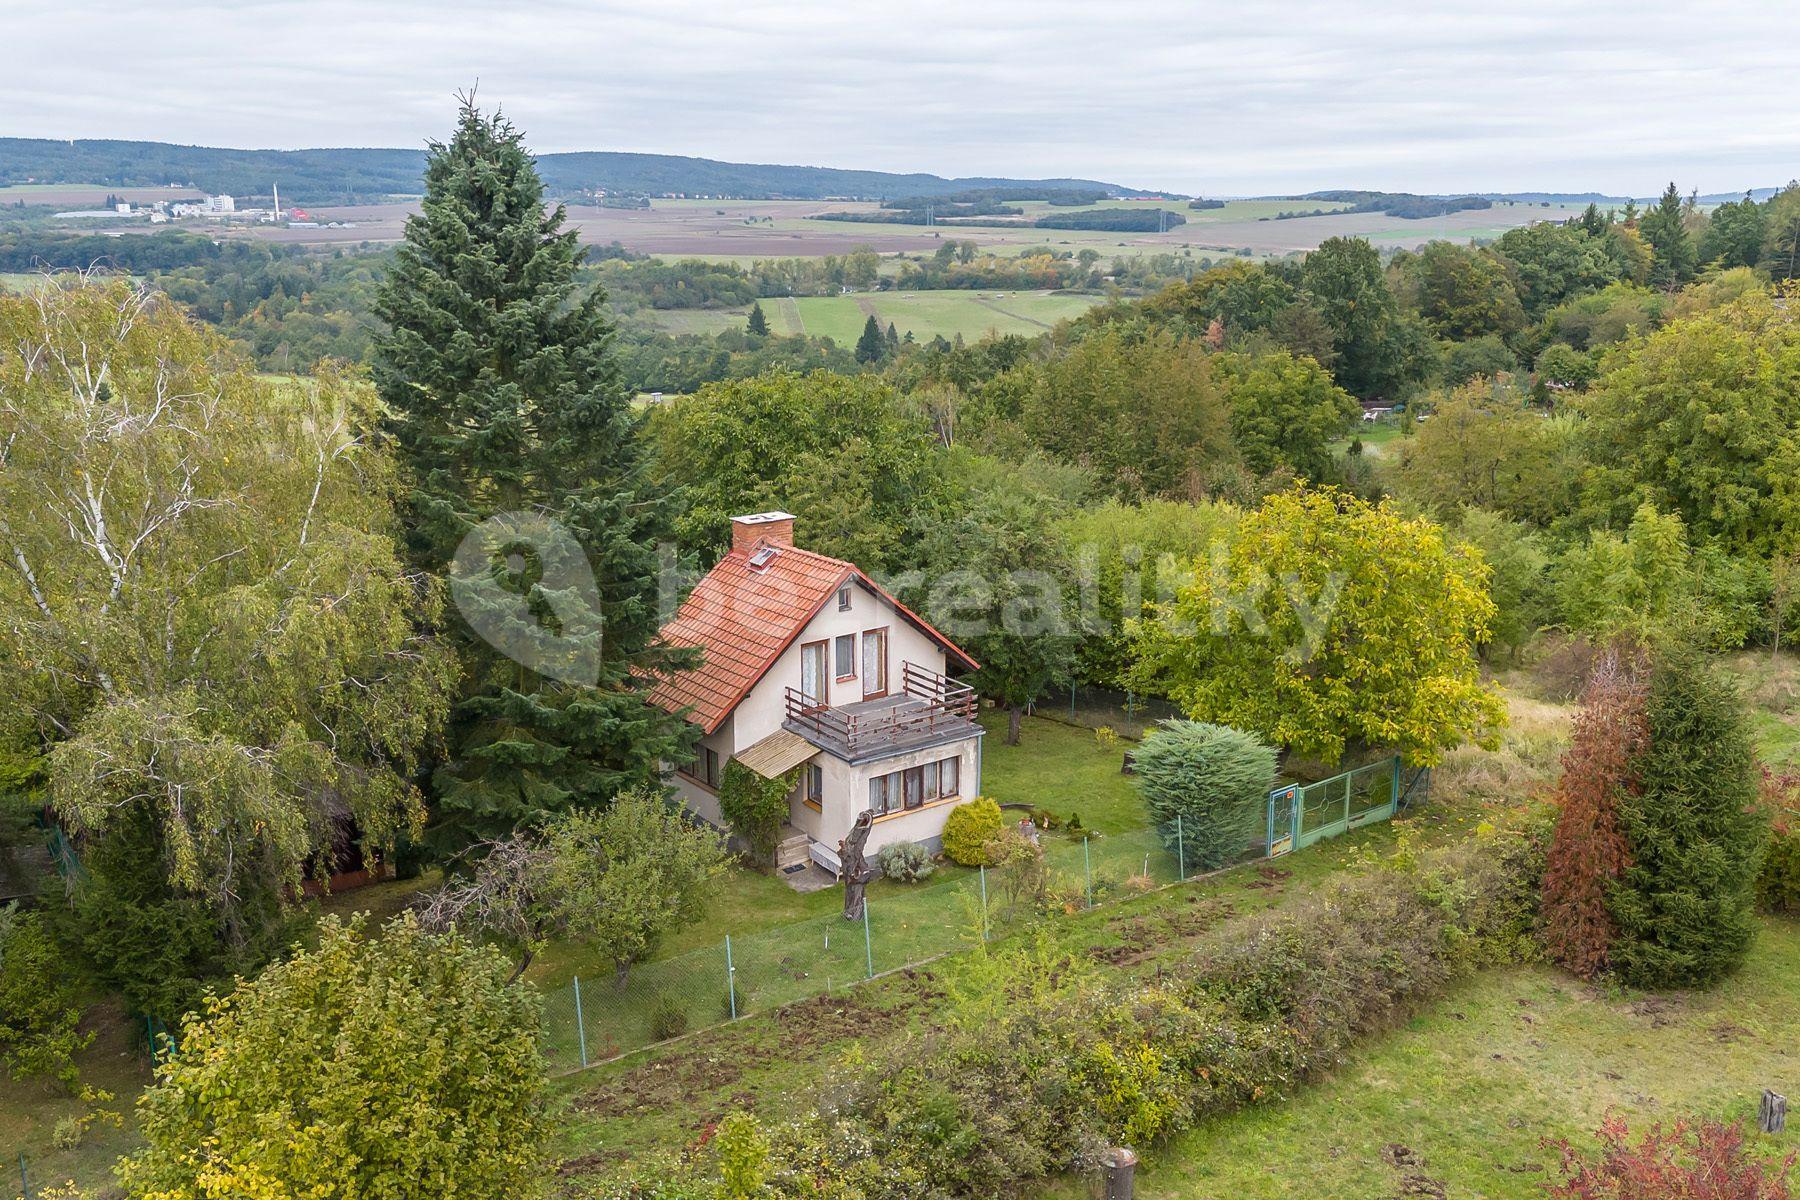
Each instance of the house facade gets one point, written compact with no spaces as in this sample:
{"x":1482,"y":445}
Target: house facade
{"x":806,"y":663}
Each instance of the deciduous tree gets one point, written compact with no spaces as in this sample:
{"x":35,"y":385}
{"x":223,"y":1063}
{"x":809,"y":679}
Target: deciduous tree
{"x":401,"y":1065}
{"x":1324,"y":622}
{"x":200,"y":598}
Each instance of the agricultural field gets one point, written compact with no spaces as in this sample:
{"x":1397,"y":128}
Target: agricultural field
{"x":742,"y":230}
{"x":924,"y":314}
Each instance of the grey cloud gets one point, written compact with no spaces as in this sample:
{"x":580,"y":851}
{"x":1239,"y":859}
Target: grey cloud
{"x":1242,"y":97}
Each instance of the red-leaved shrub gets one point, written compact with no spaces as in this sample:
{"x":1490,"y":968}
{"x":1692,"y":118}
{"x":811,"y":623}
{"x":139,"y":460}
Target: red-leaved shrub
{"x":1588,"y":851}
{"x":1686,"y":1162}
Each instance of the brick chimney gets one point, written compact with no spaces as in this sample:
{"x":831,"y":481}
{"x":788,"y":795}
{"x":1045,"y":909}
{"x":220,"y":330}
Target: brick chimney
{"x":774,"y":528}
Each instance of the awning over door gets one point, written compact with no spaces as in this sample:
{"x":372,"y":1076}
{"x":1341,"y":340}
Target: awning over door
{"x":777,"y":754}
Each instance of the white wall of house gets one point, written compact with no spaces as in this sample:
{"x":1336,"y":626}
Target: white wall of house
{"x":847,"y":793}
{"x":765,"y":708}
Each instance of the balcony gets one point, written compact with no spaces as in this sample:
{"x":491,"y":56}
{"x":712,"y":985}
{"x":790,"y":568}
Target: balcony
{"x":928,"y":710}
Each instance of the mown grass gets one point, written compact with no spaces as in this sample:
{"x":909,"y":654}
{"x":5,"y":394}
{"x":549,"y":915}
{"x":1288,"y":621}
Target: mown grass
{"x":1459,"y":1100}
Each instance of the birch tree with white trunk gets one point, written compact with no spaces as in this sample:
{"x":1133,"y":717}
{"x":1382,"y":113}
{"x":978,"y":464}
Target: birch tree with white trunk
{"x":201,"y":604}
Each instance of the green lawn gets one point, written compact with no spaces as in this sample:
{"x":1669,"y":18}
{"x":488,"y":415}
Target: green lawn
{"x":1065,"y":769}
{"x":924,"y":314}
{"x":1467,"y":1089}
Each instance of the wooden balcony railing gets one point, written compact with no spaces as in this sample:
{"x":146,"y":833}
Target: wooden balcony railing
{"x":927,"y":704}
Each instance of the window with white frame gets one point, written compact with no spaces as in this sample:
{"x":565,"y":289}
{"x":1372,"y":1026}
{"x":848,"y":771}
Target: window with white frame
{"x":915,"y":787}
{"x":843,"y":656}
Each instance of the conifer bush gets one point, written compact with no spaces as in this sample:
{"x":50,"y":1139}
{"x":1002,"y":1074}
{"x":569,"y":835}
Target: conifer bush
{"x":1695,"y":833}
{"x":1215,"y":779}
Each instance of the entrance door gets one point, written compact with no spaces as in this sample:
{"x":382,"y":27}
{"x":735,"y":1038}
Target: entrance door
{"x":874,"y":664}
{"x":812,"y":674}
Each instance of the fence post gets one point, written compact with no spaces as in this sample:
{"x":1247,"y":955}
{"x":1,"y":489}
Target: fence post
{"x":982,"y":867}
{"x":868,"y":942}
{"x":1395,"y":800}
{"x":1087,"y":869}
{"x":1180,"y":851}
{"x":24,"y":1183}
{"x":580,"y":1025}
{"x":730,"y":979}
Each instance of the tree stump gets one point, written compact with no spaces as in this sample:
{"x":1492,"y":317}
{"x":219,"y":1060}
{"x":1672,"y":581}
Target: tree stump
{"x":856,"y":869}
{"x":1771,"y":1114}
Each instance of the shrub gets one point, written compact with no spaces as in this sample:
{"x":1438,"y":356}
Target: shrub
{"x":1021,"y":876}
{"x":1778,"y":887}
{"x":668,"y":1019}
{"x":1051,"y":1060}
{"x":969,"y":829}
{"x":39,"y":1012}
{"x":1684,"y":904}
{"x":1214,"y":779}
{"x":905,"y":862}
{"x":755,"y":807}
{"x":1705,"y":1160}
{"x":401,"y":1065}
{"x":1588,"y":852}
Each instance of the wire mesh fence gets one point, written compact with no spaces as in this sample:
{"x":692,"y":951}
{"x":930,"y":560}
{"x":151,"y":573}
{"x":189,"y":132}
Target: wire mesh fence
{"x":1127,"y":713}
{"x":588,"y":1021}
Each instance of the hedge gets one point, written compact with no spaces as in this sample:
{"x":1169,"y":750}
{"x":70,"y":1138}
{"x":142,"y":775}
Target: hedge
{"x":1077,"y":1060}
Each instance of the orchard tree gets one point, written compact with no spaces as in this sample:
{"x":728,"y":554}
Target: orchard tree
{"x":206,"y":620}
{"x":517,"y":434}
{"x":616,"y":880}
{"x":1326,"y":622}
{"x":403,"y":1065}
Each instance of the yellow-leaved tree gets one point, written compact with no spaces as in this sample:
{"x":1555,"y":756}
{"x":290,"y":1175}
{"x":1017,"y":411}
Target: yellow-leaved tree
{"x":1326,"y":623}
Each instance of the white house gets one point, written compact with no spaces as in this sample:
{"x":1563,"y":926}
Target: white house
{"x":806,"y":662}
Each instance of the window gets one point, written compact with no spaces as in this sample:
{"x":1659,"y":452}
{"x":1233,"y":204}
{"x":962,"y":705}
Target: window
{"x":843,"y":653}
{"x":844,"y":598}
{"x":914,"y":787}
{"x":815,"y":784}
{"x":874,"y":663}
{"x":812,"y":674}
{"x":705,"y":767}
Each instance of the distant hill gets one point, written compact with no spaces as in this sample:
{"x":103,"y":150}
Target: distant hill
{"x":343,"y":175}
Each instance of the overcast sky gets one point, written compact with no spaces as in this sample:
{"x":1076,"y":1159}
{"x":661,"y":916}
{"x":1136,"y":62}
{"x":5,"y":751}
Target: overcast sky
{"x":1243,"y":97}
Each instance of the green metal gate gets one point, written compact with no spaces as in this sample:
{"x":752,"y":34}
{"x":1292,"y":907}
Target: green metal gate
{"x":1301,"y":814}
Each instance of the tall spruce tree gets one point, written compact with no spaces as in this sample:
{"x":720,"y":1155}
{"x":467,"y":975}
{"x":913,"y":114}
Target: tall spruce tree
{"x":1673,"y":259}
{"x":758,"y":324}
{"x":871,"y":347}
{"x":496,"y":364}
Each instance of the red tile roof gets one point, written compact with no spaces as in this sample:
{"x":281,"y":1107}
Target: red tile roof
{"x":741,"y":619}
